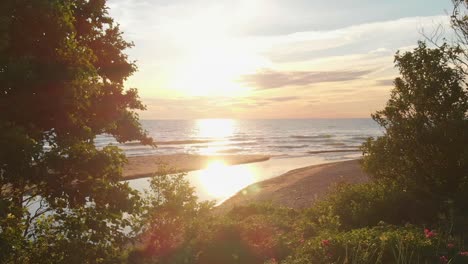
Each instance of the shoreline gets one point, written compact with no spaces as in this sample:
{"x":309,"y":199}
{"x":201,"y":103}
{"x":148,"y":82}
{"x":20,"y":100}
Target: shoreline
{"x":298,"y":188}
{"x":145,"y":166}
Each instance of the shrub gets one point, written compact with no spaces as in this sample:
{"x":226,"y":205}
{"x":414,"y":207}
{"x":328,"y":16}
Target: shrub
{"x":368,"y":204}
{"x":380,"y":244}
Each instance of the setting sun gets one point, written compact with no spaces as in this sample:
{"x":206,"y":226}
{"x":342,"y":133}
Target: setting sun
{"x":214,"y":71}
{"x":210,"y":60}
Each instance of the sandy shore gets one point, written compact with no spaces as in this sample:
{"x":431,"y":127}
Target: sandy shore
{"x":298,"y":188}
{"x":139,"y":167}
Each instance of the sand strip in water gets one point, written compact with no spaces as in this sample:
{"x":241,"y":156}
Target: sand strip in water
{"x":145,"y":166}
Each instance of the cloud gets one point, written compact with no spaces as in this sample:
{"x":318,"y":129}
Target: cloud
{"x":283,"y":98}
{"x":378,"y":38}
{"x":270,"y":79}
{"x":308,"y":43}
{"x":388,"y":82}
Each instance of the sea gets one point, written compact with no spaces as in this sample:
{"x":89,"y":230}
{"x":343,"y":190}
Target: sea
{"x":278,"y":137}
{"x":291,"y":143}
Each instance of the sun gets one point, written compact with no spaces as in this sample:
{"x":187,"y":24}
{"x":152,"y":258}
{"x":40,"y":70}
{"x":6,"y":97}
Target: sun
{"x":215,"y":72}
{"x":212,"y":58}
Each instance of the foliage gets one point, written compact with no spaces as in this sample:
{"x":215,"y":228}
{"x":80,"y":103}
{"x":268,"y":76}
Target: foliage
{"x":425,"y":145}
{"x":62,"y":68}
{"x":381,"y":244}
{"x":251,"y":234}
{"x":361,"y":205}
{"x":170,"y":219}
{"x":459,"y":23}
{"x":175,"y":228}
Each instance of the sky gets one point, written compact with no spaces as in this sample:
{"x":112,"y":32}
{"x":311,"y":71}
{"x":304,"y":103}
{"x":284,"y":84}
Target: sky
{"x":270,"y":58}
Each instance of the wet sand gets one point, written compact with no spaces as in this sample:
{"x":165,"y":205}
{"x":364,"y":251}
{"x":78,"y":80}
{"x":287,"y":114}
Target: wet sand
{"x":298,"y":188}
{"x":145,"y":166}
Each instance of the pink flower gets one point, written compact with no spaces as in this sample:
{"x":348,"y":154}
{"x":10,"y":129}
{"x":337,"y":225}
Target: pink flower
{"x":450,"y":245}
{"x":325,"y":243}
{"x":464,"y":253}
{"x":301,"y":240}
{"x":429,"y":233}
{"x":443,"y":259}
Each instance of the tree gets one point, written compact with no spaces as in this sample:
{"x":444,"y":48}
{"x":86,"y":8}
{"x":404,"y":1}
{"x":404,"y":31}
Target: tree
{"x":62,"y":70}
{"x":459,"y":24}
{"x":425,"y":144}
{"x":170,"y":222}
{"x":457,"y":37}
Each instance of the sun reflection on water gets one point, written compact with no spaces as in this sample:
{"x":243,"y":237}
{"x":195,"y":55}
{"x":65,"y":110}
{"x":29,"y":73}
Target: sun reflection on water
{"x":215,"y":128}
{"x":221,"y":181}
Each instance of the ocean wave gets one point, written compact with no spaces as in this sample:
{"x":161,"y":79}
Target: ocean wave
{"x":290,"y":147}
{"x":362,"y":138}
{"x":242,"y":138}
{"x":228,"y":151}
{"x":173,"y":142}
{"x":244,"y":144}
{"x":352,"y":146}
{"x":312,"y":137}
{"x":336,"y":144}
{"x":310,"y":140}
{"x":139,"y":149}
{"x":133,"y":143}
{"x":333,"y":151}
{"x":290,"y":137}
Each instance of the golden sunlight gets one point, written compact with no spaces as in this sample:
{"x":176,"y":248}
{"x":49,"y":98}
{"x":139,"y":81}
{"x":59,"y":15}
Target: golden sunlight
{"x":213,"y":74}
{"x":215,"y":71}
{"x":215,"y":128}
{"x":211,"y":60}
{"x":221,"y":181}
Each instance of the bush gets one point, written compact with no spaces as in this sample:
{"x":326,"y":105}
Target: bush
{"x":176,"y":228}
{"x":380,"y":244}
{"x":362,"y":205}
{"x":250,"y":234}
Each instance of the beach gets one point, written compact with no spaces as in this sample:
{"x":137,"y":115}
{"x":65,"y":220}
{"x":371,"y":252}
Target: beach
{"x":291,"y":182}
{"x":299,"y":188}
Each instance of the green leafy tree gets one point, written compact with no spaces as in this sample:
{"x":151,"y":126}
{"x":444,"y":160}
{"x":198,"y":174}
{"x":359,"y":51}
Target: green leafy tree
{"x":425,"y":144}
{"x":171,"y":220}
{"x":62,"y":69}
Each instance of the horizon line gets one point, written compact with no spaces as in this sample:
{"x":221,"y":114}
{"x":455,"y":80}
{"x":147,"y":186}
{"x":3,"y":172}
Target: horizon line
{"x":226,"y":118}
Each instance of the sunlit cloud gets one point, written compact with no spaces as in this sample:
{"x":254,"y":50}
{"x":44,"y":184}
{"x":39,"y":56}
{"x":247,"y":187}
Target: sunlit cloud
{"x":388,"y":82}
{"x":283,"y":99}
{"x":382,"y":37}
{"x":270,"y":79}
{"x":247,"y":59}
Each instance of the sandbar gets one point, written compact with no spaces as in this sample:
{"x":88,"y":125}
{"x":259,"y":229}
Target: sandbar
{"x":145,"y":166}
